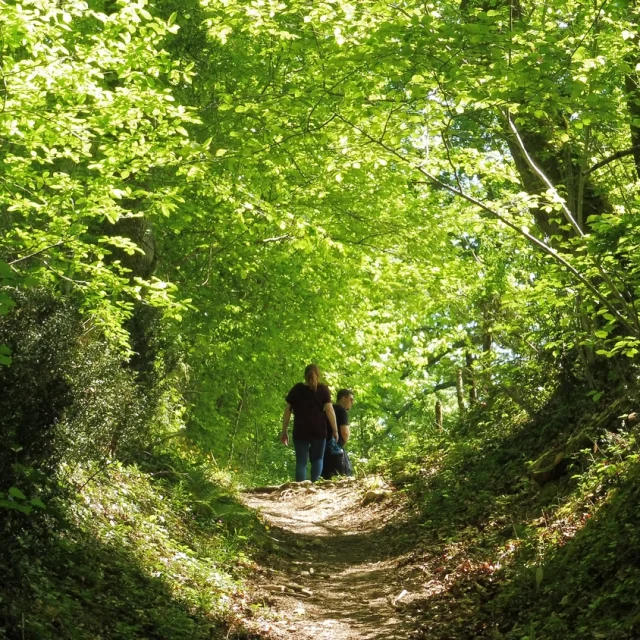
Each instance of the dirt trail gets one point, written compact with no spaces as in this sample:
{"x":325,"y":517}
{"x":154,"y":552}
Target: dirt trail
{"x":337,"y":560}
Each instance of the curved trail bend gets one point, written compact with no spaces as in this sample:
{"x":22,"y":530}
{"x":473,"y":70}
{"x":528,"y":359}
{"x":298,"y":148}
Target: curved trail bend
{"x":334,"y":571}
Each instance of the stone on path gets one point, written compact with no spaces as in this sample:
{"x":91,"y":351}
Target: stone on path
{"x":375,"y":495}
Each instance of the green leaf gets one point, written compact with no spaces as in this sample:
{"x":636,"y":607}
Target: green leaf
{"x":8,"y":504}
{"x":5,"y":355}
{"x":6,"y":304}
{"x":5,"y":271}
{"x":16,"y":493}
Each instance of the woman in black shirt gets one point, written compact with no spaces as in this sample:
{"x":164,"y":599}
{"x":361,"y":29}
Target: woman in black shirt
{"x":311,"y":405}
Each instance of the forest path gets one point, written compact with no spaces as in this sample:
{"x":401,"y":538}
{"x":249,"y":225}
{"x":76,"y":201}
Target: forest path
{"x":334,"y":571}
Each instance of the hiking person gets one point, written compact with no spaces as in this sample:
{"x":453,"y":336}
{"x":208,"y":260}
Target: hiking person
{"x":311,"y":405}
{"x":339,"y":464}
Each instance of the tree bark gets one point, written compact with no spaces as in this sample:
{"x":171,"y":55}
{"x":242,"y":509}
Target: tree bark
{"x":460,"y":392}
{"x":633,"y":96}
{"x":562,"y":165}
{"x":236,"y":423}
{"x":471,"y":378}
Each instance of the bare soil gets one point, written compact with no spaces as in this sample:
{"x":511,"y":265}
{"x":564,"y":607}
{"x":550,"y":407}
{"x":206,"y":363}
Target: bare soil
{"x":338,"y":564}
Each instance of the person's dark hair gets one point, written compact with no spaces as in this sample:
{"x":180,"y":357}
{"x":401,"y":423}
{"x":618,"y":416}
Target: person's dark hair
{"x":308,"y":378}
{"x":344,"y":393}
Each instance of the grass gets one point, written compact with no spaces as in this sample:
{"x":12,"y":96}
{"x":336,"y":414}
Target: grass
{"x":141,"y":551}
{"x":162,"y":548}
{"x":509,"y":559}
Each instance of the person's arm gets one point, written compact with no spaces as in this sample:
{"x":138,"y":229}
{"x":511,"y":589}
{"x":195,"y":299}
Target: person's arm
{"x":345,"y":432}
{"x":328,"y":409}
{"x":286,"y":416}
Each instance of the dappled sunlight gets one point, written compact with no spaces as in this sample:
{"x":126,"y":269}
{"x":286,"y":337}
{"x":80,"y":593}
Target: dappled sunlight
{"x":430,"y":206}
{"x":343,"y":553}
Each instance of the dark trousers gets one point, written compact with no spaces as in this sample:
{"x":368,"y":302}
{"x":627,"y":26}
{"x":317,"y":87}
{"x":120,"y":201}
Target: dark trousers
{"x":335,"y":465}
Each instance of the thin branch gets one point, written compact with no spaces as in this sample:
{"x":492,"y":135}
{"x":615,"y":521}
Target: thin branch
{"x":597,"y":12}
{"x":532,"y":239}
{"x":581,"y":179}
{"x":62,"y":276}
{"x":32,"y":255}
{"x":286,"y":236}
{"x":220,"y":249}
{"x":576,"y":227}
{"x":398,"y":8}
{"x":616,"y":156}
{"x":206,"y":280}
{"x":325,"y":93}
{"x":433,"y":361}
{"x":101,"y":469}
{"x":453,"y":167}
{"x":386,"y":124}
{"x":18,"y":186}
{"x":410,"y":403}
{"x":557,"y":197}
{"x":5,"y":89}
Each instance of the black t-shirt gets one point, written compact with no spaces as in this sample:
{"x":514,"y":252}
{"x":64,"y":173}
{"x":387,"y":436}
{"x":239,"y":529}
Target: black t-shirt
{"x":309,"y":419}
{"x":342,"y":417}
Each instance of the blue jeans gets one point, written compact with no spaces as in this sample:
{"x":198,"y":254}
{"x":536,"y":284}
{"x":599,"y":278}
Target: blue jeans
{"x":305,"y":450}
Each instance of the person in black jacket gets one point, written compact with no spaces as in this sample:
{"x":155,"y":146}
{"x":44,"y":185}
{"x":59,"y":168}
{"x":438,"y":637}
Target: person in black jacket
{"x":339,"y":464}
{"x":311,"y":405}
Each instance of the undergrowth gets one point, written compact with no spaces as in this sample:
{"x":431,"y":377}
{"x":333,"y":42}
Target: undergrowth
{"x":153,"y":550}
{"x":507,"y":558}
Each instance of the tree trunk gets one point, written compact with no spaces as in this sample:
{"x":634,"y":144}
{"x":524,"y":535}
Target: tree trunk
{"x":236,"y":424}
{"x":256,"y":450}
{"x":439,"y":414}
{"x":633,"y":104}
{"x":561,"y":164}
{"x":460,"y":392}
{"x":471,"y":379}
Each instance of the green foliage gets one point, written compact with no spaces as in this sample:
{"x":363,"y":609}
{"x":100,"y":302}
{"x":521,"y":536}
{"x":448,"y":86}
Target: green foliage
{"x":66,"y":399}
{"x":15,"y":499}
{"x":523,"y":560}
{"x":90,"y":121}
{"x":199,"y":198}
{"x":347,"y":240}
{"x":589,"y":582}
{"x":301,"y":184}
{"x":153,"y":553}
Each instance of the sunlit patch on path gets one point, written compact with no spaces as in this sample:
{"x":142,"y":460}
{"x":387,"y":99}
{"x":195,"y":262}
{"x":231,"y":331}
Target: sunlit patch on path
{"x":332,"y":573}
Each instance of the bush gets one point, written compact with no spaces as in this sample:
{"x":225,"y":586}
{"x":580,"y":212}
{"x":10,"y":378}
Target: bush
{"x":67,"y":396}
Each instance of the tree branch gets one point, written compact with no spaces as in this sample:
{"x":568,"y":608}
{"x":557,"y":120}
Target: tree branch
{"x":286,"y":236}
{"x":616,"y":156}
{"x":32,"y":255}
{"x":439,"y":387}
{"x":532,"y":239}
{"x":433,"y":361}
{"x":558,"y":198}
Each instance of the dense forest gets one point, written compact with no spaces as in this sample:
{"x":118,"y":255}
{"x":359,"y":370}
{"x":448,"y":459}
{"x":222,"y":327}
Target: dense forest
{"x":433,"y":201}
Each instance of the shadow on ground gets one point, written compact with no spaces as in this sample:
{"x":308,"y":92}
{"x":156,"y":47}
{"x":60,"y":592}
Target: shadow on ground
{"x":343,"y":555}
